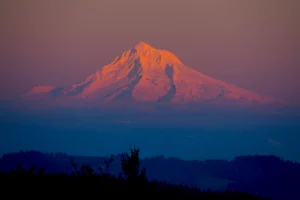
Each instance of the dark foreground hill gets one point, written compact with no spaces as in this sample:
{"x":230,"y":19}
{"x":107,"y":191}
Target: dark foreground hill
{"x":266,"y":176}
{"x":84,"y":182}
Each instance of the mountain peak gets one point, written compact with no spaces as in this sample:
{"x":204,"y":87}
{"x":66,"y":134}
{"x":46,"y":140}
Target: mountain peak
{"x":143,"y":46}
{"x":144,"y":51}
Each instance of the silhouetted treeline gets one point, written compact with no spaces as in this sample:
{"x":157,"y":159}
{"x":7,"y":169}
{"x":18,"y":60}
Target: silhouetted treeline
{"x":84,"y":182}
{"x":267,"y":176}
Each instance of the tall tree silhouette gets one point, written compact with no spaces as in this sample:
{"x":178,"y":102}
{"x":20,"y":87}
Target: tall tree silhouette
{"x":131,"y":166}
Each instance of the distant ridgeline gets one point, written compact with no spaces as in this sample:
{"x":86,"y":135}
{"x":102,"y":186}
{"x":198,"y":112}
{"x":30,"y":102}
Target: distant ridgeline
{"x":266,"y":176}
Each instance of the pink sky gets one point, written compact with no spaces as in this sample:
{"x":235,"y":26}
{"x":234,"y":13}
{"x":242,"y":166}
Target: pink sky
{"x":253,"y":44}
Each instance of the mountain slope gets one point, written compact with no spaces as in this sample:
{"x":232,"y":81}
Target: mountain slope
{"x":144,"y":73}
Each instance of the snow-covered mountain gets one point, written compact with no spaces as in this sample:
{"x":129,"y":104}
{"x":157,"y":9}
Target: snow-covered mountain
{"x":146,"y":74}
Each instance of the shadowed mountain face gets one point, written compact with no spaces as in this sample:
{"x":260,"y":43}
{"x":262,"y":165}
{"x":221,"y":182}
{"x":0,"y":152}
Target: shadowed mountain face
{"x":146,"y":74}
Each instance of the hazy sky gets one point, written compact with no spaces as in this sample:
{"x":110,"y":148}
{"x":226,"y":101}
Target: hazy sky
{"x":253,"y":44}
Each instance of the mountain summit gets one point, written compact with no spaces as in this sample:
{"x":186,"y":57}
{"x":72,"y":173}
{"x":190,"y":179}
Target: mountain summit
{"x":144,"y":73}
